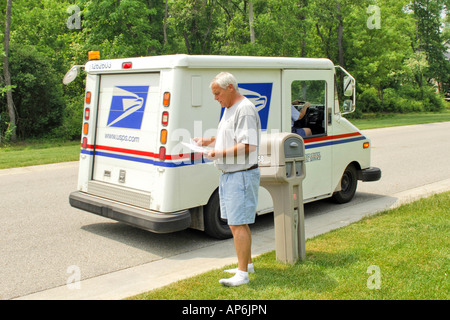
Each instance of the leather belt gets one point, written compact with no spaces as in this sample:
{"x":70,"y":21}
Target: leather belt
{"x":255,"y":166}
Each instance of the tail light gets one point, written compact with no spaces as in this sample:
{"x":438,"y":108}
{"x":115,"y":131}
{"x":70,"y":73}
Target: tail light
{"x":86,"y":128}
{"x":163,"y":138}
{"x":162,"y":153}
{"x":165,"y":118}
{"x":88,"y":97}
{"x":84,"y":143}
{"x":87,"y":113}
{"x":166,"y":100}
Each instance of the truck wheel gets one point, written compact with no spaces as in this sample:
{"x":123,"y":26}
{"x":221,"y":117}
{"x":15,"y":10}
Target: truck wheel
{"x":349,"y":182}
{"x":214,"y":225}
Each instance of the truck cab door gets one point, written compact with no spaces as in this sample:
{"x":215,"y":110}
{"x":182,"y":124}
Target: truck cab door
{"x":315,"y":87}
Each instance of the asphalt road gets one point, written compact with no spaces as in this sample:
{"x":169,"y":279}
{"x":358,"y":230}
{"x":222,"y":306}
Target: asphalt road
{"x":42,"y":237}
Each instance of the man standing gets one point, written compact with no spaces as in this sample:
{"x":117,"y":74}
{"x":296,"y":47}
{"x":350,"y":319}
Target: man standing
{"x":235,"y":153}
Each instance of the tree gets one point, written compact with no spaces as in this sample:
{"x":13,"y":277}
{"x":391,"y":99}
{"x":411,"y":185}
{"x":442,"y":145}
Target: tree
{"x":430,"y":39}
{"x":250,"y":21}
{"x":378,"y":54}
{"x":7,"y":74}
{"x":124,"y":28}
{"x":194,"y":22}
{"x":39,"y":102}
{"x":40,"y":52}
{"x":281,"y":28}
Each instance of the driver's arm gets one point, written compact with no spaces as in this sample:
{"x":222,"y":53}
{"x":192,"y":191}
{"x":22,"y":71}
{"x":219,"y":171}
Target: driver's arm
{"x":303,"y":111}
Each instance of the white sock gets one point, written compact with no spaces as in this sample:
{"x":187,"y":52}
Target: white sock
{"x":241,"y":277}
{"x":250,"y":269}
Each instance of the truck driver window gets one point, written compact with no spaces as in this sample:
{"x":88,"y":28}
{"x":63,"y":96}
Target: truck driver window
{"x":308,"y":98}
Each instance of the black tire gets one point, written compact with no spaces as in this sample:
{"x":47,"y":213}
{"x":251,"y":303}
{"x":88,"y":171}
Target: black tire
{"x":349,"y":182}
{"x":214,"y":225}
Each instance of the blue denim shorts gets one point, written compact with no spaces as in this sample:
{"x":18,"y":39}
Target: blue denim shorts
{"x":299,"y":131}
{"x":238,"y":193}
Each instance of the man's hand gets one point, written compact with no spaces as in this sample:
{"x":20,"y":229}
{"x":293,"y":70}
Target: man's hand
{"x":208,"y":142}
{"x":306,"y":106}
{"x":198,"y":141}
{"x":211,"y":155}
{"x":238,"y":149}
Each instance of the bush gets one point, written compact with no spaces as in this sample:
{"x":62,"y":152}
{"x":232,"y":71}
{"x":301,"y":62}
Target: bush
{"x":432,"y":101}
{"x":368,"y":101}
{"x":38,"y":96}
{"x":406,"y":98}
{"x":422,"y":99}
{"x":70,"y":128}
{"x":394,"y":102}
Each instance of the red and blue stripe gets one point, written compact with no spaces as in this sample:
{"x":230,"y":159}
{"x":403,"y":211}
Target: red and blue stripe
{"x":190,"y":159}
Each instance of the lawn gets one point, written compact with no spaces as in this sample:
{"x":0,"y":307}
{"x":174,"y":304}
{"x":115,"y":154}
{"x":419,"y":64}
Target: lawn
{"x":396,"y":255}
{"x":36,"y":153}
{"x":373,"y":121}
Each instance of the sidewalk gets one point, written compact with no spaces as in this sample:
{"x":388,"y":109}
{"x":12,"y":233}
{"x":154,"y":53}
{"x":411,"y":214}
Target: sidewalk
{"x":132,"y":281}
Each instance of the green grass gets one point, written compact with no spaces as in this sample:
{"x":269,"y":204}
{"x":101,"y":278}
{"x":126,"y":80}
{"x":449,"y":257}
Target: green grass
{"x":373,"y":121}
{"x":410,"y":246}
{"x":36,"y":153}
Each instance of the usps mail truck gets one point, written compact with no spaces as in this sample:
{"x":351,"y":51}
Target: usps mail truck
{"x":138,"y":113}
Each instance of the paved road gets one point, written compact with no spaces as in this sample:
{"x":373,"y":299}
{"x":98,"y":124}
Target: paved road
{"x":409,"y":156}
{"x":42,"y":236}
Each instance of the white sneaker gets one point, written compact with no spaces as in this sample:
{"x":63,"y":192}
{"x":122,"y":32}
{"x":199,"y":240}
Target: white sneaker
{"x":250,"y":269}
{"x":241,"y":277}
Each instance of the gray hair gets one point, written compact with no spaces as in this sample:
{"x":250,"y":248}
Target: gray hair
{"x":224,"y":79}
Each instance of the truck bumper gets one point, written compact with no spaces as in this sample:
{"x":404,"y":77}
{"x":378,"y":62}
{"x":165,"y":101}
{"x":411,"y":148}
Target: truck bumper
{"x":371,"y":174}
{"x":134,"y":216}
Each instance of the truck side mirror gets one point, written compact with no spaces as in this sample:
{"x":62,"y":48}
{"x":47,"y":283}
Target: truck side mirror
{"x":348,"y":107}
{"x":72,"y":74}
{"x":348,"y":86}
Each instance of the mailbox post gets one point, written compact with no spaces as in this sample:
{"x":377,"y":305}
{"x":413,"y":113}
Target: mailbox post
{"x":282,"y":167}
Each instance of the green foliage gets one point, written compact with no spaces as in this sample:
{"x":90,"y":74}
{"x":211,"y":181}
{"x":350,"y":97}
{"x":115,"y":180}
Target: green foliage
{"x":405,"y":98}
{"x":38,"y":97}
{"x":124,"y":28}
{"x":368,"y":100}
{"x":398,"y":63}
{"x":194,"y":22}
{"x":430,"y":37}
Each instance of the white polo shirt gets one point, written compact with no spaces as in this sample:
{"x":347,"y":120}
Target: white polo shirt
{"x":239,"y":124}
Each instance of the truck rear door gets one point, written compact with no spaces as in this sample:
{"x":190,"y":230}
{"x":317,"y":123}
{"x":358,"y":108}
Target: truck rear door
{"x":127,"y":126}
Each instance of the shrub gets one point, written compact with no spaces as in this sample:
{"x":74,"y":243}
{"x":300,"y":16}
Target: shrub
{"x":38,"y":96}
{"x":394,"y":102}
{"x":368,"y":100}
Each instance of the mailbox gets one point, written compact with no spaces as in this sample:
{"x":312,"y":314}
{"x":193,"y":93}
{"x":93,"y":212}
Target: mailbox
{"x":282,"y":166}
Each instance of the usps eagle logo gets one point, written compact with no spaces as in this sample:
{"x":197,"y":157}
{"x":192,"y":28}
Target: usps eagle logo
{"x":260,"y":95}
{"x":127,"y":107}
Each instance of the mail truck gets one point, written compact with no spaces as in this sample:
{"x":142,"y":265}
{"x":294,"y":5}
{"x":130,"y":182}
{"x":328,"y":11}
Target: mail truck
{"x":134,"y":167}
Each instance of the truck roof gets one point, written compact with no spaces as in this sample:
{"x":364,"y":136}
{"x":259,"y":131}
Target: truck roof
{"x":208,"y":61}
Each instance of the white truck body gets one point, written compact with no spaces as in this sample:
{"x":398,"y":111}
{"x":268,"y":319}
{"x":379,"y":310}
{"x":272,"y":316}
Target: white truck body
{"x":134,"y":168}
